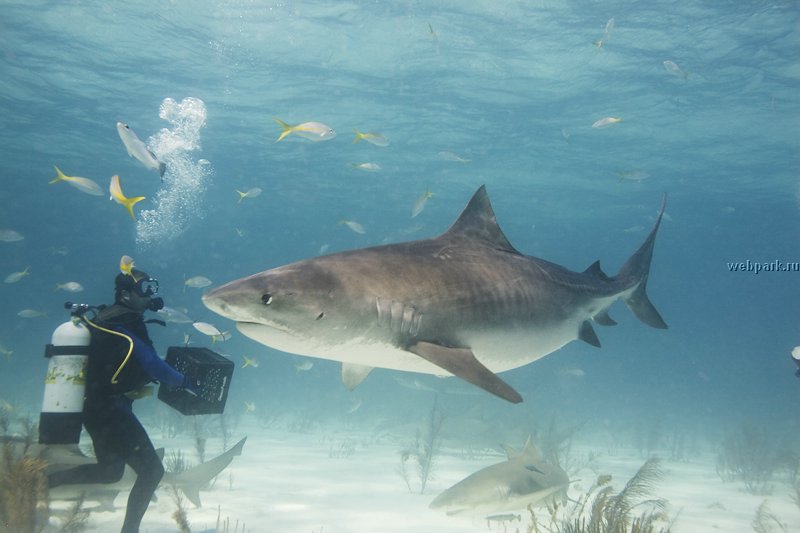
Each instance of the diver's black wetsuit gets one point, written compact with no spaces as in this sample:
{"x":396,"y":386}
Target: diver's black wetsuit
{"x":116,"y":433}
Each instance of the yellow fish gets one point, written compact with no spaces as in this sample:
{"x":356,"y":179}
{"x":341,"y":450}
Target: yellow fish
{"x":372,"y":137}
{"x":249,"y":361}
{"x":305,"y":366}
{"x":313,"y":131}
{"x":420,"y":202}
{"x":6,"y":352}
{"x":353,"y":225}
{"x":70,"y":286}
{"x":606,"y":35}
{"x":116,"y":195}
{"x":249,"y":407}
{"x":126,"y":264}
{"x":369,"y":167}
{"x":606,"y":121}
{"x":82,"y":184}
{"x":16,"y":276}
{"x":250,"y":193}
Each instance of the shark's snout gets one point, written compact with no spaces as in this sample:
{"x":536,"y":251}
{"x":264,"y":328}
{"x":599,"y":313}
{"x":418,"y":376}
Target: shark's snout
{"x":223,"y":301}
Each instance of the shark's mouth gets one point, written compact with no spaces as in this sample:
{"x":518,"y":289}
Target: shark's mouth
{"x":244,"y":327}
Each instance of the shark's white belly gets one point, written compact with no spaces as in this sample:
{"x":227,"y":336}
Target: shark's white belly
{"x":498,"y":350}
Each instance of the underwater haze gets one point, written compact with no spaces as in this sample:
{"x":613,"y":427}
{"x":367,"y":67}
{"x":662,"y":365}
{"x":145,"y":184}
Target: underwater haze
{"x":576,"y":115}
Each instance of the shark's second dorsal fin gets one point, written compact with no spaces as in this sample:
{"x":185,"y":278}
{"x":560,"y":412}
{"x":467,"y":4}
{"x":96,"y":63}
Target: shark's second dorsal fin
{"x":595,"y":270}
{"x":477,"y":221}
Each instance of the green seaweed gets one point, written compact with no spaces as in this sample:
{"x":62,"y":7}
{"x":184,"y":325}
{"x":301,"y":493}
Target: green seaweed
{"x":24,"y":503}
{"x":601,"y":510}
{"x":765,"y":521}
{"x":747,"y":455}
{"x":425,"y":449}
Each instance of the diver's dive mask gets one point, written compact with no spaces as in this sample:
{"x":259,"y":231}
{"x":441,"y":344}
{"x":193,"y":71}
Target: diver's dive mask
{"x":146,"y":287}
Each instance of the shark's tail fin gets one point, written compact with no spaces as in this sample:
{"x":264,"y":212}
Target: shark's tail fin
{"x":636,"y":270}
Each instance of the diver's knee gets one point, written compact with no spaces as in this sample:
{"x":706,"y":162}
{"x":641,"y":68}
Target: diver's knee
{"x":112,"y":472}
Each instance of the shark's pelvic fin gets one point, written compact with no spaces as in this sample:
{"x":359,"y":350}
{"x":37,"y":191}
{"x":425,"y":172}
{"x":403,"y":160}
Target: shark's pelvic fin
{"x":461,"y":362}
{"x":604,"y":319}
{"x":353,"y":374}
{"x":587,"y":334}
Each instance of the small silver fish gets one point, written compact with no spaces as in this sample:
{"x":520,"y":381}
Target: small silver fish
{"x":137,"y":149}
{"x":197,"y":282}
{"x":170,"y":314}
{"x":70,"y":286}
{"x":14,"y":277}
{"x":606,"y":121}
{"x":305,"y":366}
{"x":369,"y":167}
{"x":450,"y":156}
{"x":633,"y":175}
{"x":31,"y":313}
{"x":353,"y":225}
{"x":206,"y":329}
{"x":9,"y":235}
{"x":675,"y":70}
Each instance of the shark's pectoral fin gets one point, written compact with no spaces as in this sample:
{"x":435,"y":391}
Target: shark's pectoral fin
{"x":462,"y":363}
{"x":587,"y":334}
{"x":353,"y":375}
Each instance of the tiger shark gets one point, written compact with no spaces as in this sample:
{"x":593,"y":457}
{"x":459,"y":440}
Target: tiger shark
{"x":465,"y":303}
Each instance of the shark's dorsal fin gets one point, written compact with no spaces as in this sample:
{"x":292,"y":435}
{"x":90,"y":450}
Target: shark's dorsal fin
{"x":477,"y":221}
{"x":530,"y":450}
{"x":595,"y":271}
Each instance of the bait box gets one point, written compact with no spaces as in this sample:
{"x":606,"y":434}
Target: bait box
{"x":211,"y":370}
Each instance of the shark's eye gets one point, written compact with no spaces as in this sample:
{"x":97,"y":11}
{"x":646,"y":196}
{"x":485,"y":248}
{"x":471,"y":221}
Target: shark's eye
{"x":266,"y":299}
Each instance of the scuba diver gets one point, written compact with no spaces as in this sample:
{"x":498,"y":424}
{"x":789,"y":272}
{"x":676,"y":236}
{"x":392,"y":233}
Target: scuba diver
{"x":121,"y":362}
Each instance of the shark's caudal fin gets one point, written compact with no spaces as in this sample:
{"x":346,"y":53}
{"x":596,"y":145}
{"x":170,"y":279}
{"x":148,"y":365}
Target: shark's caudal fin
{"x":199,"y":477}
{"x":636,"y":270}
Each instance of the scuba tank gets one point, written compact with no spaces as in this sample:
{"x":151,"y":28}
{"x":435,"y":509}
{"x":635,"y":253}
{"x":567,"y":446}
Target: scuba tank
{"x":62,"y":406}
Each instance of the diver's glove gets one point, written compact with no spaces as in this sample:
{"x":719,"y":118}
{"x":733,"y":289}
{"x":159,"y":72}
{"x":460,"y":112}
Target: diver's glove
{"x":191,"y":385}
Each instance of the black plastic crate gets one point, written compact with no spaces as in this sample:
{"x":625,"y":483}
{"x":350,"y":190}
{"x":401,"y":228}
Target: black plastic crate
{"x":213,"y":371}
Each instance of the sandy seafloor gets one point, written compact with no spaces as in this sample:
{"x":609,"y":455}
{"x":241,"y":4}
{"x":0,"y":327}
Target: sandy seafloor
{"x":339,"y":481}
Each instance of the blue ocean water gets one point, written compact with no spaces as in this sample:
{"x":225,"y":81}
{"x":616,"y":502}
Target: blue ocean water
{"x":512,"y":87}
